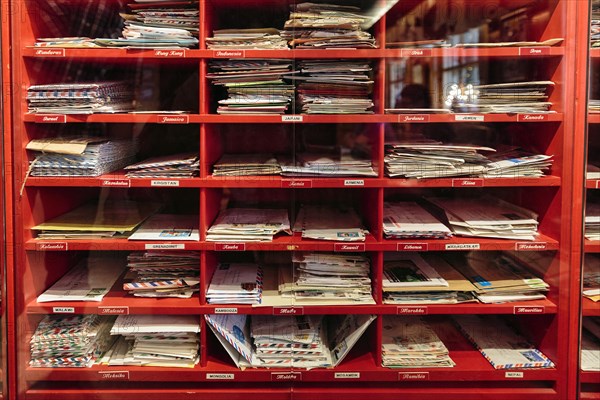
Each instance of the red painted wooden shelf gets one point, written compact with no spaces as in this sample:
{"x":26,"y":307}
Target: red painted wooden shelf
{"x":109,"y":244}
{"x":591,"y":246}
{"x":594,"y":118}
{"x":592,"y":183}
{"x":595,"y":52}
{"x":590,"y":377}
{"x":132,"y":118}
{"x":589,"y":308}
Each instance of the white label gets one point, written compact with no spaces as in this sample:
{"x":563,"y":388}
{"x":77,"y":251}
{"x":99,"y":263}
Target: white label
{"x":354,"y":182}
{"x":291,"y":118}
{"x":163,"y":183}
{"x":224,"y":377}
{"x":164,"y":246}
{"x":63,"y":310}
{"x":469,"y":118}
{"x":347,"y":375}
{"x":226,"y":310}
{"x":463,"y":246}
{"x":513,"y":374}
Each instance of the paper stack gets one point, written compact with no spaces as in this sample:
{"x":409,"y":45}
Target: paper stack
{"x":423,"y":279}
{"x":247,"y":39}
{"x":516,"y":163}
{"x":80,"y":156}
{"x":593,"y":171}
{"x":595,"y":24}
{"x":434,"y":159}
{"x":66,"y":42}
{"x":168,"y":227}
{"x":311,"y":164}
{"x":325,"y":26}
{"x":248,"y":224}
{"x":409,"y":342}
{"x":253,"y":86}
{"x":517,"y":97}
{"x":97,"y":221}
{"x":75,"y":341}
{"x":590,"y":344}
{"x":499,"y":277}
{"x":334,"y":87}
{"x":246,"y":164}
{"x":592,"y":221}
{"x":321,"y":222}
{"x":591,"y":277}
{"x":158,"y":24}
{"x":163,"y":274}
{"x":90,"y":280}
{"x":594,"y":104}
{"x":301,"y":341}
{"x":500,"y":344}
{"x":488,"y":217}
{"x":155,"y":341}
{"x":184,"y":165}
{"x":319,"y":278}
{"x":80,"y":98}
{"x":409,"y":220}
{"x":236,"y":283}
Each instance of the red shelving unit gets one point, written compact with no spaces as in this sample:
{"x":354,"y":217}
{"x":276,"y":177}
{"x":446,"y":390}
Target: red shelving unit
{"x":176,"y":80}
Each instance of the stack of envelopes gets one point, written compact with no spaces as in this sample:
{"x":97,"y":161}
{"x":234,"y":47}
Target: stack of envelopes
{"x":500,"y":343}
{"x":591,"y":276}
{"x":319,"y":278}
{"x":155,"y":341}
{"x":334,"y":87}
{"x":182,"y":165}
{"x":311,"y":164}
{"x":81,"y":98}
{"x":236,"y":283}
{"x":163,"y":273}
{"x":248,"y":224}
{"x":325,"y":26}
{"x":80,"y":156}
{"x":517,"y":97}
{"x":322,"y":222}
{"x":595,"y":24}
{"x":409,"y":220}
{"x":434,"y":159}
{"x":590,"y":344}
{"x":409,"y":342}
{"x":410,"y":278}
{"x":75,"y":341}
{"x":253,"y":86}
{"x":592,"y":221}
{"x":488,"y":216}
{"x":516,"y":163}
{"x":246,"y":164}
{"x":246,"y":39}
{"x":499,"y":277}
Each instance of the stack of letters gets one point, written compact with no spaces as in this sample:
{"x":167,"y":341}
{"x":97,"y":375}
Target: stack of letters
{"x":248,"y":224}
{"x":163,"y":273}
{"x":595,"y":24}
{"x":70,"y":341}
{"x":185,"y":165}
{"x":322,"y":222}
{"x":409,"y":342}
{"x":592,"y":221}
{"x":246,"y":164}
{"x":590,"y":344}
{"x":409,"y":220}
{"x":591,"y":277}
{"x":236,"y":283}
{"x":311,"y":164}
{"x":246,"y":39}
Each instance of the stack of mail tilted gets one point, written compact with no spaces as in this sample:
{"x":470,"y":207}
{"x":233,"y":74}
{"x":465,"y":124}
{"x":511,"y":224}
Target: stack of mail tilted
{"x":70,"y":341}
{"x":158,"y":24}
{"x":183,"y":165}
{"x":322,"y":277}
{"x":322,"y":222}
{"x":413,"y":278}
{"x":516,"y":163}
{"x":155,"y":341}
{"x":595,"y":24}
{"x":517,"y":97}
{"x":325,"y":26}
{"x":253,"y":86}
{"x":247,"y":39}
{"x":311,"y":164}
{"x":434,"y":159}
{"x":409,"y":220}
{"x":500,"y":343}
{"x":249,"y":225}
{"x":163,"y":273}
{"x":80,"y":156}
{"x":334,"y":87}
{"x":246,"y":164}
{"x":499,"y":278}
{"x":591,"y":276}
{"x":592,"y":221}
{"x":590,"y":344}
{"x":236,"y":283}
{"x":90,"y":280}
{"x":80,"y":98}
{"x":488,"y":217}
{"x":409,"y":342}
